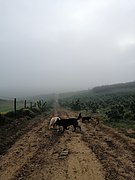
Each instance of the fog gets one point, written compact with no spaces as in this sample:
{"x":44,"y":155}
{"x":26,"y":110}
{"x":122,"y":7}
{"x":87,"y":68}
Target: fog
{"x":49,"y":46}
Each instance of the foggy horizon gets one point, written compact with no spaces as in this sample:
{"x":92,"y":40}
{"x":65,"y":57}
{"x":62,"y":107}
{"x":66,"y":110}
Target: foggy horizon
{"x":28,"y":94}
{"x":64,"y":46}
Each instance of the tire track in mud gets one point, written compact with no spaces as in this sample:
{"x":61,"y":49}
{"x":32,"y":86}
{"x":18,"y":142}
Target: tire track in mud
{"x":121,"y":138}
{"x":23,"y":155}
{"x":94,"y":153}
{"x":115,"y":151}
{"x":83,"y":164}
{"x":79,"y":162}
{"x":117,"y":158}
{"x":41,"y":156}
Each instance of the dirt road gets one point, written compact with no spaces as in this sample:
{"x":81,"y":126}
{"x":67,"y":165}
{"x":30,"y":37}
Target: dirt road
{"x":92,"y":154}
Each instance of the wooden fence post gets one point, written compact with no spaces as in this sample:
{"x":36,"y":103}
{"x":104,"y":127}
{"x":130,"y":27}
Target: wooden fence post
{"x":15,"y":105}
{"x":25,"y":104}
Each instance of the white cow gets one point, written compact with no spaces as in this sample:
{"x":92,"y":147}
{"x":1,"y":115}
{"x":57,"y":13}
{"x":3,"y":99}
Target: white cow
{"x":52,"y":121}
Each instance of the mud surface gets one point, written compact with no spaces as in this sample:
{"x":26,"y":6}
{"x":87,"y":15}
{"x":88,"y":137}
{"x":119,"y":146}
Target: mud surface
{"x":95,"y":153}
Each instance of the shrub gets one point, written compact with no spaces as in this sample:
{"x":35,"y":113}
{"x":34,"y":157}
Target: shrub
{"x":10,"y":114}
{"x":28,"y":112}
{"x":116,"y":112}
{"x":129,"y":115}
{"x":36,"y":110}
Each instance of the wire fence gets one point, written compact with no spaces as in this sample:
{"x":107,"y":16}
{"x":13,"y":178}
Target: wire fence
{"x":12,"y":104}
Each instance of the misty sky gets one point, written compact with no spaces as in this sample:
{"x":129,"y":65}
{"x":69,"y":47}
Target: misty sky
{"x":65,"y":45}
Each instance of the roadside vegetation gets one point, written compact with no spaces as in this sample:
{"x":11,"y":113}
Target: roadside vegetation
{"x":115,"y":104}
{"x":27,"y":110}
{"x":14,"y":124}
{"x":7,"y":105}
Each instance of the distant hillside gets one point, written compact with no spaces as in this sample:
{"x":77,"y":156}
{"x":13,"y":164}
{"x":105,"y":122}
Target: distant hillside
{"x":122,"y":87}
{"x":69,"y":94}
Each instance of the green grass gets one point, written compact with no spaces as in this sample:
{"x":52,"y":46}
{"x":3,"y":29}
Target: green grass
{"x":122,"y":124}
{"x":127,"y":127}
{"x":6,"y":106}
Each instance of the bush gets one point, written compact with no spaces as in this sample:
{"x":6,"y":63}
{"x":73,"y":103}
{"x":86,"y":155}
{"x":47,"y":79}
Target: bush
{"x":36,"y":110}
{"x":21,"y":113}
{"x":28,"y":112}
{"x":116,"y":112}
{"x":129,"y":115}
{"x":10,"y":114}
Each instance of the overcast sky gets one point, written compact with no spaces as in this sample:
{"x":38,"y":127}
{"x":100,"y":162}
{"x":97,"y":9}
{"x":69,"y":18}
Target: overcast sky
{"x":65,"y":45}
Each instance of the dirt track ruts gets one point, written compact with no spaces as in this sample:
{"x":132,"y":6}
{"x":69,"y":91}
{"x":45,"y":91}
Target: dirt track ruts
{"x":94,"y":153}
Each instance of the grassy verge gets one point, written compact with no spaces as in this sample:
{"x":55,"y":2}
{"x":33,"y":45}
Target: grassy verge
{"x":126,"y":127}
{"x":6,"y":106}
